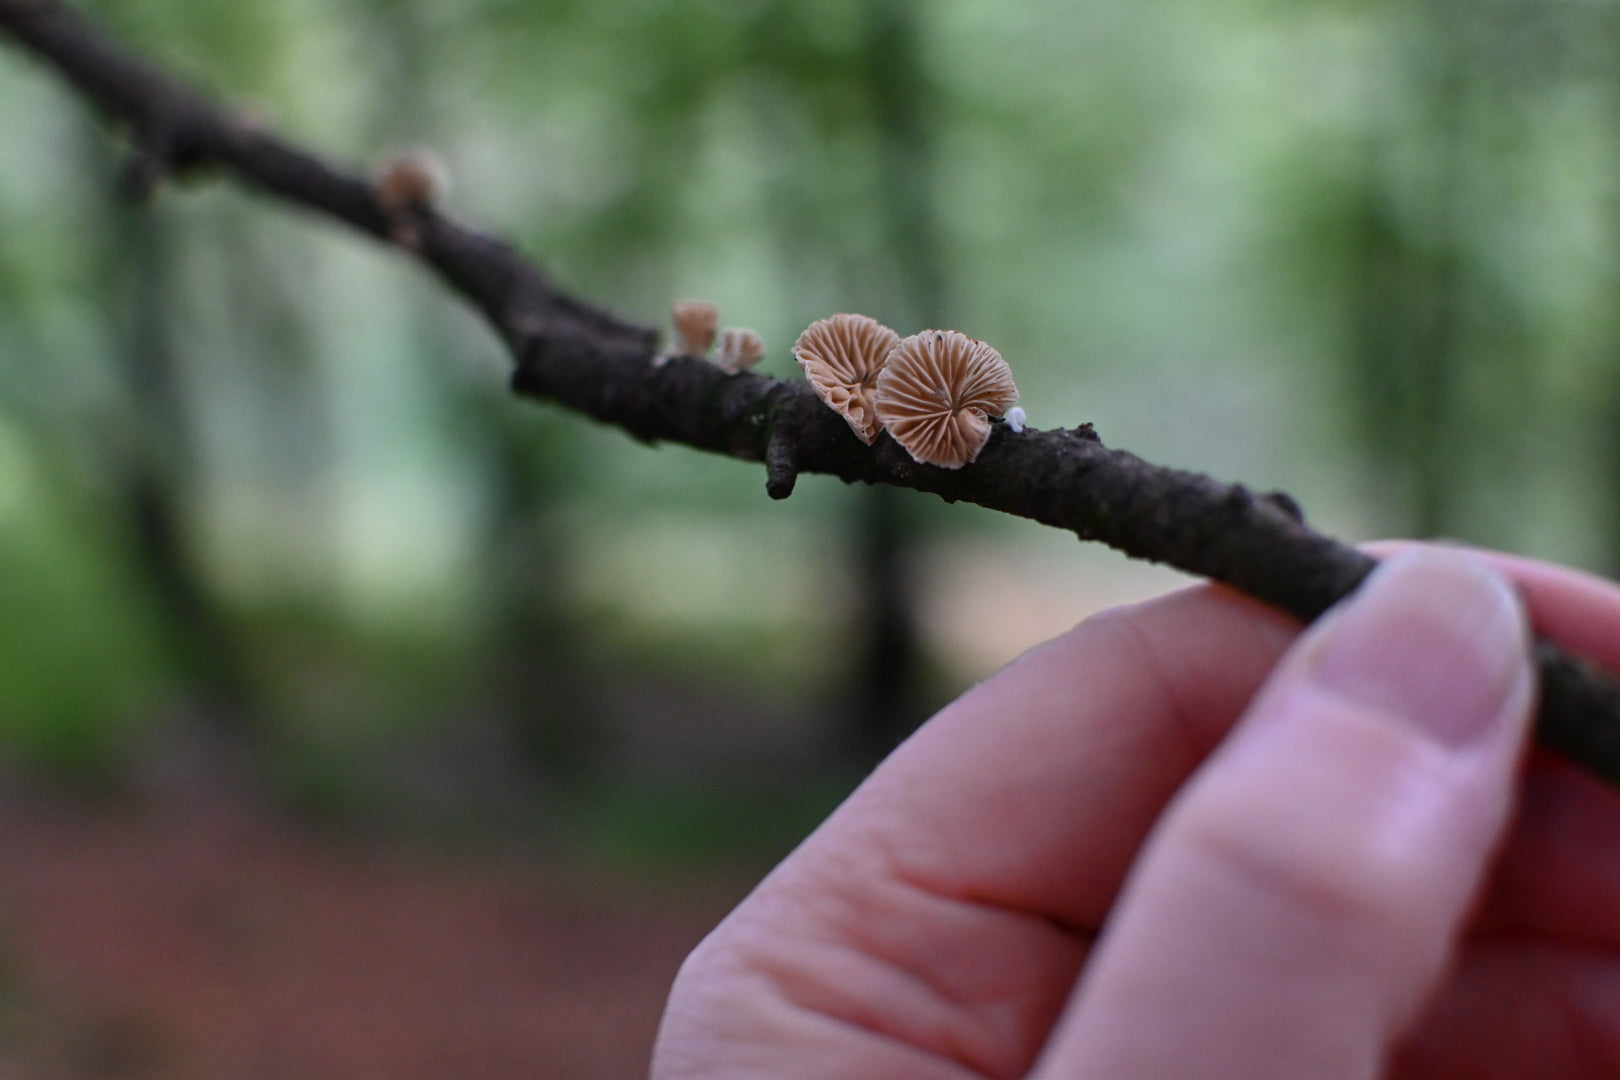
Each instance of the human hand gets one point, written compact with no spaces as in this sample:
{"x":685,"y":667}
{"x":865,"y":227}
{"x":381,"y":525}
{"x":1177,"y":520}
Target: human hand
{"x":1176,"y":842}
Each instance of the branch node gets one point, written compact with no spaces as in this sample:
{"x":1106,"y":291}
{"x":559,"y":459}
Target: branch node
{"x":524,"y":382}
{"x":144,"y":169}
{"x":162,"y":145}
{"x":410,"y":186}
{"x":151,"y":159}
{"x":1285,"y":502}
{"x":781,"y":468}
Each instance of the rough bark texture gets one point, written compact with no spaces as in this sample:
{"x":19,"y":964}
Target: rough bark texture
{"x":589,"y":361}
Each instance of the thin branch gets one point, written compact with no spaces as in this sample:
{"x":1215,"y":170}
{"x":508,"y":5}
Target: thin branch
{"x":589,"y":361}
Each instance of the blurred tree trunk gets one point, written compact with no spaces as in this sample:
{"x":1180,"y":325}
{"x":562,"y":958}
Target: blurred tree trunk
{"x":542,"y":683}
{"x":538,"y":685}
{"x":1409,"y":292}
{"x":151,"y":468}
{"x":889,"y":698}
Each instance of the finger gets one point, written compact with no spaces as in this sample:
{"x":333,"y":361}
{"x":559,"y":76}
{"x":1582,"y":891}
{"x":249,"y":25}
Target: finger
{"x":1558,"y":874}
{"x":1072,"y":750}
{"x":1516,"y":1008}
{"x":1576,"y":609}
{"x":1076,"y":747}
{"x":1300,"y":898}
{"x":922,"y":926}
{"x":1519,"y":1008}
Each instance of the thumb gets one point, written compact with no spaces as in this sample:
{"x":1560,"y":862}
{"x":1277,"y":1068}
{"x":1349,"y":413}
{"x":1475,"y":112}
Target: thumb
{"x":1301,"y":897}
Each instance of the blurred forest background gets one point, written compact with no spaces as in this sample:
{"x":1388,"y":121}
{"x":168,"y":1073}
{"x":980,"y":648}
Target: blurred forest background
{"x":262,"y":487}
{"x":261,"y":483}
{"x":260,"y":476}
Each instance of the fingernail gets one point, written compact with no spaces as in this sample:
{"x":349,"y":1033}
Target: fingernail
{"x":1432,"y":638}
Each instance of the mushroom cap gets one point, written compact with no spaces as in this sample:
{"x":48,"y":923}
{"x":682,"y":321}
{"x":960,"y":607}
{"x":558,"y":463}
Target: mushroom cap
{"x":696,"y":322}
{"x":413,"y":179}
{"x":936,"y":393}
{"x":740,"y":349}
{"x":841,"y":356}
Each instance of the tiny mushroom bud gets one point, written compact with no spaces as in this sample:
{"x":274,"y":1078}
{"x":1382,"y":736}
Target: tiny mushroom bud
{"x":936,"y":392}
{"x":740,"y":350}
{"x":842,"y":356}
{"x":416,"y":179}
{"x":696,"y":322}
{"x":1016,"y":419}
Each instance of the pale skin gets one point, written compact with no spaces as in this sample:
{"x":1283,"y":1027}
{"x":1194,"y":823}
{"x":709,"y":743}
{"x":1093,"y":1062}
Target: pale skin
{"x":1185,"y":840}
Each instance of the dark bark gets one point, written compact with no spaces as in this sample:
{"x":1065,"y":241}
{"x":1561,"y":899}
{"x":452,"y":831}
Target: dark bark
{"x":587,"y":360}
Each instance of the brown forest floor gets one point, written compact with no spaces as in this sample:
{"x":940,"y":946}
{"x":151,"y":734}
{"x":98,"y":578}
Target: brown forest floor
{"x":207,"y":942}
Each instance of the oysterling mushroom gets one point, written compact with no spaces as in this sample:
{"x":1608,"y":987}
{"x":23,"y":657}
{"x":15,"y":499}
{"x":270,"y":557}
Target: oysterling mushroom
{"x":739,"y":350}
{"x":936,"y":392}
{"x":842,"y":356}
{"x":410,"y":184}
{"x":696,"y":322}
{"x":414,"y":179}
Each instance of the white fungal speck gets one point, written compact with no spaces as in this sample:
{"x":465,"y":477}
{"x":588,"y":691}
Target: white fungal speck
{"x":1015,"y":419}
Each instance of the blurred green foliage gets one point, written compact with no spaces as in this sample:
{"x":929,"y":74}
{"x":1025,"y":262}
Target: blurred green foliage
{"x":1361,"y":250}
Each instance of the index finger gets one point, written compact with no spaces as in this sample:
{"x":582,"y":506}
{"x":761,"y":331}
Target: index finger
{"x":1034,"y":789}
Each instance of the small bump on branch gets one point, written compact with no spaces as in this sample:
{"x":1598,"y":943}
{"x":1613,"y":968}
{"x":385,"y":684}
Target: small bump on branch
{"x":782,"y":472}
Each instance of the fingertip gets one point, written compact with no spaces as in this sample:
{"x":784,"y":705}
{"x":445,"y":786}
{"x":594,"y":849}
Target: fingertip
{"x":1576,"y":609}
{"x":1302,"y":893}
{"x":1435,"y":639}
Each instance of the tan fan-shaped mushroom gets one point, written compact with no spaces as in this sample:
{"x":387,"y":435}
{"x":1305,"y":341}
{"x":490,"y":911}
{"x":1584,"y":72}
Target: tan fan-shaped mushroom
{"x":411,"y":183}
{"x":414,"y":179}
{"x":936,"y":392}
{"x":696,"y":322}
{"x":739,"y":350}
{"x":842,"y":356}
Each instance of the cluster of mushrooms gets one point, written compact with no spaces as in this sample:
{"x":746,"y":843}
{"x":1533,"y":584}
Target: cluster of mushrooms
{"x":933,"y":392}
{"x":697,"y":325}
